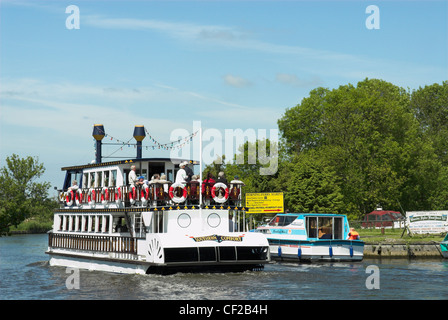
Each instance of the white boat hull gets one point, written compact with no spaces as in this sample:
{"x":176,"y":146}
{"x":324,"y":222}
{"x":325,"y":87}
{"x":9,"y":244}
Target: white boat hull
{"x":97,"y":264}
{"x":156,"y":251}
{"x":313,"y":251}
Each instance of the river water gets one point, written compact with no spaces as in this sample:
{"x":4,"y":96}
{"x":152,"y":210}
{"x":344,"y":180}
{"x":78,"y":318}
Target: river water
{"x":26,"y":275}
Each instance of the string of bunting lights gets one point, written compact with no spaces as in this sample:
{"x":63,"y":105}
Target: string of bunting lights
{"x":178,"y":144}
{"x":171,"y":145}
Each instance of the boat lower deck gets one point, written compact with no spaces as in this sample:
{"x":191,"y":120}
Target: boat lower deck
{"x":136,"y":266}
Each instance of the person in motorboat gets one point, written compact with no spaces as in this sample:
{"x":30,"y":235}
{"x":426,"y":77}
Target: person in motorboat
{"x":353,"y":234}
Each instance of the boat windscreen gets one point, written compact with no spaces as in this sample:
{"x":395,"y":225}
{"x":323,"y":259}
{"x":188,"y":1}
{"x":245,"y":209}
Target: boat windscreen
{"x":281,"y":221}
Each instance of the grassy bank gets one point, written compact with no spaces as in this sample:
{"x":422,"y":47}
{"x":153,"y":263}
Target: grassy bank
{"x":396,"y":236}
{"x":33,"y":225}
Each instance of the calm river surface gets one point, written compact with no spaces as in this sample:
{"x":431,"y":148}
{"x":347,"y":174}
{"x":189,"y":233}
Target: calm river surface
{"x":26,"y":275}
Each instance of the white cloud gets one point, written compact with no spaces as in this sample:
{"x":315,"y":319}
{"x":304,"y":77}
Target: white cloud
{"x":213,"y":34}
{"x":235,"y":81}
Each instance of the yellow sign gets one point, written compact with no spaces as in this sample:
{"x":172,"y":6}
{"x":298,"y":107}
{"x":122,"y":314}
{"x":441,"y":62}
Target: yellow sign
{"x":265,"y":202}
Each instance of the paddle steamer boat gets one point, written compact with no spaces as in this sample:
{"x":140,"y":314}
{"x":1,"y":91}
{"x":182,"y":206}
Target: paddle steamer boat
{"x":106,"y":224}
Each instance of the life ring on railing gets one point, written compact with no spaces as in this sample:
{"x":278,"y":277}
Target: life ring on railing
{"x":175,"y":198}
{"x":91,"y":197}
{"x":78,"y":197}
{"x":132,"y":195}
{"x":226,"y":195}
{"x":70,"y":198}
{"x":144,"y":195}
{"x":118,"y":195}
{"x":104,"y":195}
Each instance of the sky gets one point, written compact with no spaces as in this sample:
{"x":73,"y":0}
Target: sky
{"x":166,"y":64}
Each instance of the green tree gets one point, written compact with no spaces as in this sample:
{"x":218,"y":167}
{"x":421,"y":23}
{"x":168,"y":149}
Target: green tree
{"x":369,"y":137}
{"x":21,"y":196}
{"x":310,"y":185}
{"x":253,"y":161}
{"x":430,"y":106}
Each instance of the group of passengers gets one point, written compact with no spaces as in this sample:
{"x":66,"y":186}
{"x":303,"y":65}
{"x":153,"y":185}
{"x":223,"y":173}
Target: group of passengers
{"x":184,"y":176}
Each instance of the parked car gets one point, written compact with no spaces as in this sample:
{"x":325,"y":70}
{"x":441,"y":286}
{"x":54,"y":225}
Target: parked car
{"x":383,"y":219}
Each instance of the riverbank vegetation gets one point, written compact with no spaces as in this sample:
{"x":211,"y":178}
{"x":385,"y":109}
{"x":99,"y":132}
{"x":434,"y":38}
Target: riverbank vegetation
{"x":22,"y":196}
{"x":397,"y":236}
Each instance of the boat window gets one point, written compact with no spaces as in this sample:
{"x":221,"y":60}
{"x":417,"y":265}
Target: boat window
{"x":125,"y":176}
{"x":71,"y":176}
{"x":311,"y":227}
{"x":106,"y":178}
{"x":92,"y":224}
{"x":282,"y":221}
{"x":99,"y":179}
{"x":85,"y":220}
{"x":91,"y":179}
{"x":144,"y":173}
{"x":169,"y":175}
{"x":113,"y":179}
{"x":85,"y":181}
{"x":338,"y":228}
{"x":106,"y":223}
{"x":325,"y":228}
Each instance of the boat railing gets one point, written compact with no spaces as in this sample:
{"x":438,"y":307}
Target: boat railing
{"x":155,"y":194}
{"x":93,"y":243}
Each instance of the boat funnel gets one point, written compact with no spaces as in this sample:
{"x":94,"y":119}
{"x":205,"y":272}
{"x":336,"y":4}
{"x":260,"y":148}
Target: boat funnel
{"x":139,"y":135}
{"x":98,"y":134}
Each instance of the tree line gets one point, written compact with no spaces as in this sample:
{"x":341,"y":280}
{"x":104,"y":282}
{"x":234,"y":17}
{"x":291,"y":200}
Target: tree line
{"x":350,"y":149}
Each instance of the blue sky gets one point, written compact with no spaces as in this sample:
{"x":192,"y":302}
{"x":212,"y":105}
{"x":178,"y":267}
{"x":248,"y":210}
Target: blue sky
{"x":165,"y":64}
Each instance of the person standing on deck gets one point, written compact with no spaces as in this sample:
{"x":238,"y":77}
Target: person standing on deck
{"x":132,"y":176}
{"x":181,"y":175}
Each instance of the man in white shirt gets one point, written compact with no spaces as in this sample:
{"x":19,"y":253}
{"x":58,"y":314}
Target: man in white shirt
{"x":132,"y":176}
{"x":181,"y":174}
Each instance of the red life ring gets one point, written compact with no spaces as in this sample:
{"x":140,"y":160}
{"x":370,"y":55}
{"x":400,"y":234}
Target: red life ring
{"x":118,"y":195}
{"x":144,"y":195}
{"x":91,"y":196}
{"x":173,"y":197}
{"x":104,"y":195}
{"x":132,"y":195}
{"x":70,"y":197}
{"x":78,"y":197}
{"x":226,"y":195}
